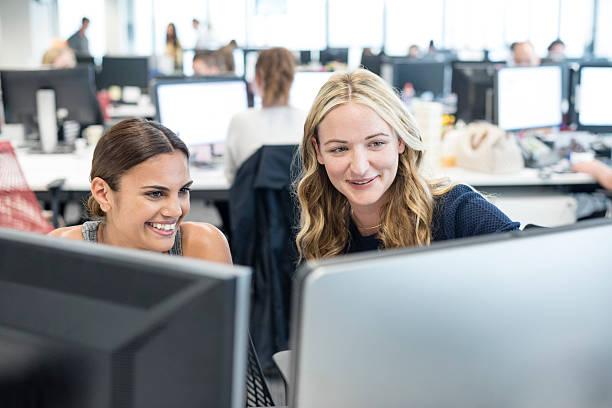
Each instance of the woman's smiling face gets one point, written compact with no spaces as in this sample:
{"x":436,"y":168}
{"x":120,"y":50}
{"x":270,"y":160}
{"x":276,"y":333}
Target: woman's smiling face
{"x":151,"y":201}
{"x":360,"y":153}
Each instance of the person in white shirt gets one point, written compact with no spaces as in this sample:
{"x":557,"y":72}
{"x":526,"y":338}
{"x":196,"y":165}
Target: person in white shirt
{"x":276,"y":122}
{"x":204,"y":36}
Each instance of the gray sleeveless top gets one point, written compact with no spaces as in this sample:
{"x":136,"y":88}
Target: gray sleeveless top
{"x":90,"y":233}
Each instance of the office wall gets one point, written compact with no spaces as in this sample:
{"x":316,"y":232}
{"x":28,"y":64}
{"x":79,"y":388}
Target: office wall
{"x":26,"y":28}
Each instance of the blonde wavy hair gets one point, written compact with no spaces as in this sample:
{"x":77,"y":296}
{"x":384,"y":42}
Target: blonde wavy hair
{"x":325,"y":213}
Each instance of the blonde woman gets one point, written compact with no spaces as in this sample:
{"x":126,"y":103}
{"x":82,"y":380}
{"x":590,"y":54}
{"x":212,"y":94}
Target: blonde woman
{"x":360,"y":187}
{"x":276,"y":122}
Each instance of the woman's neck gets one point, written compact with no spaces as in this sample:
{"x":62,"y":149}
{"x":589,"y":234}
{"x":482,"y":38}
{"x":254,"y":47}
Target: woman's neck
{"x":107,"y":235}
{"x":366,"y":220}
{"x":276,"y":104}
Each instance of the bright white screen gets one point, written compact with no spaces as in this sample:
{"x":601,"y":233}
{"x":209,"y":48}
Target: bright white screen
{"x":200,"y":112}
{"x":529,"y":97}
{"x":595,"y":91}
{"x":305,"y":88}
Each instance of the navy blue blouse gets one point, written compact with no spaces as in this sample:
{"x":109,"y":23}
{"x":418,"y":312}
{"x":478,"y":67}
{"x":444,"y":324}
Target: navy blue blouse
{"x":460,"y":213}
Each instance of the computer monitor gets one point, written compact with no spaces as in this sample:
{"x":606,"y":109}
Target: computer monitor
{"x":125,"y":71}
{"x":74,"y":90}
{"x":512,"y":320}
{"x":425,"y":76}
{"x":473,"y":84}
{"x":305,"y":57}
{"x":85,"y":60}
{"x":333,"y":55}
{"x":372,"y":63}
{"x":305,"y":87}
{"x":200,"y":110}
{"x":88,"y":325}
{"x":592,"y":98}
{"x":528,"y":97}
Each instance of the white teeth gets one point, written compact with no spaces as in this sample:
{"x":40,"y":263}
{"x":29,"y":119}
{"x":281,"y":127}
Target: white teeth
{"x":163,"y":227}
{"x":361,"y":182}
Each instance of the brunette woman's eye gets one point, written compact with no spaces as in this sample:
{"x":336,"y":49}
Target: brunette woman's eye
{"x":155,"y":194}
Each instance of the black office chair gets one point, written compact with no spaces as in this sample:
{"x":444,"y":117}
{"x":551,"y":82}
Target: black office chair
{"x":262,"y":217}
{"x":257,"y":392}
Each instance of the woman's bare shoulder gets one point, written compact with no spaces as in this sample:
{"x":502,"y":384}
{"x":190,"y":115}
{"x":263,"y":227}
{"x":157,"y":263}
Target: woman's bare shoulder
{"x":74,"y":232}
{"x":204,"y":241}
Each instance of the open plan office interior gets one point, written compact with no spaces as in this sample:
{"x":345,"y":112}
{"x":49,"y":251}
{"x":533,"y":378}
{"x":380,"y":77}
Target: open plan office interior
{"x":512,"y":319}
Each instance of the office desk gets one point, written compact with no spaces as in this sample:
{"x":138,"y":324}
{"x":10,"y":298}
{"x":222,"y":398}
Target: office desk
{"x":525,"y":196}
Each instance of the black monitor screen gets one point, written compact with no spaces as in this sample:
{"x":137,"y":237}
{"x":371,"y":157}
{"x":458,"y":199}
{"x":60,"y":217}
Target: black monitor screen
{"x":425,"y":76}
{"x":74,"y":90}
{"x":88,"y":325}
{"x":333,"y":54}
{"x":125,"y":71}
{"x":473,"y":84}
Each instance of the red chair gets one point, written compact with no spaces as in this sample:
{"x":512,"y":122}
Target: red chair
{"x":19,"y":208}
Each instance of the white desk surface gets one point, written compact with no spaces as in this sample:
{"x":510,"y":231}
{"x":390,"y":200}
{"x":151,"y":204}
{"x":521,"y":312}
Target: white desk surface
{"x":41,"y":169}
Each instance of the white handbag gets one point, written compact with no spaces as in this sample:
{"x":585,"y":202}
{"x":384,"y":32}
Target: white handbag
{"x":486,"y":148}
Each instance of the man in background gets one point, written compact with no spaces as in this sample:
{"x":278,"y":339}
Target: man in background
{"x":204,"y":36}
{"x":524,"y":55}
{"x":556,"y":50}
{"x":208,"y":63}
{"x":78,"y":41}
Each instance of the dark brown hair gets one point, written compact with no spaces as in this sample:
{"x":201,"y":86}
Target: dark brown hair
{"x":276,"y":67}
{"x":125,"y":145}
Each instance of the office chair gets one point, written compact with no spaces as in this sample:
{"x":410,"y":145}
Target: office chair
{"x":19,"y":208}
{"x":262,"y":216}
{"x":257,"y":392}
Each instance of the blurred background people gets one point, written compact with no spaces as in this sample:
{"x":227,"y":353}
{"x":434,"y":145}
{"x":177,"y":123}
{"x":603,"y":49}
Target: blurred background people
{"x":204,"y":36}
{"x":59,"y":55}
{"x":208,"y":63}
{"x":413,"y":51}
{"x":227,"y":52}
{"x":173,"y":48}
{"x":78,"y":41}
{"x":276,"y":122}
{"x":599,"y":170}
{"x":524,"y":55}
{"x":556,"y":50}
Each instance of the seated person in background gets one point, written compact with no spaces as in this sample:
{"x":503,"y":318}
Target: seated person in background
{"x":227,"y":52}
{"x":556,"y":50}
{"x":598,"y":170}
{"x":360,"y":188}
{"x":276,"y":122}
{"x":413,"y":51}
{"x":208,"y":63}
{"x":59,"y":56}
{"x":140,"y":195}
{"x":523,"y":55}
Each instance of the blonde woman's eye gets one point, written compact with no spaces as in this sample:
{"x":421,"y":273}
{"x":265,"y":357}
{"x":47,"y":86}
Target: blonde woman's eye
{"x":378,"y":143}
{"x":338,"y":149}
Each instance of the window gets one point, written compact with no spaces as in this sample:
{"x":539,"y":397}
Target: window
{"x":70,"y":13}
{"x":576,"y":28}
{"x":354,"y":24}
{"x":413,"y":22}
{"x":603,"y":40}
{"x":298,"y":25}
